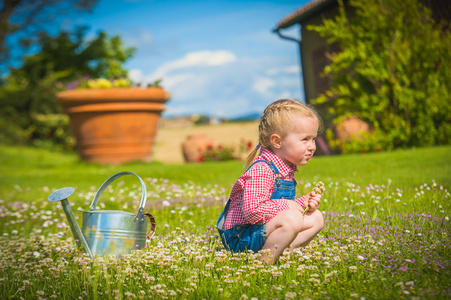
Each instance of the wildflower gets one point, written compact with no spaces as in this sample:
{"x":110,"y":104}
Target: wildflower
{"x":26,"y":282}
{"x":353,"y":269}
{"x":360,"y":257}
{"x":354,"y":295}
{"x":331,"y":274}
{"x":130,"y":295}
{"x":244,"y":297}
{"x":290,"y":295}
{"x":314,"y":281}
{"x":285,"y":266}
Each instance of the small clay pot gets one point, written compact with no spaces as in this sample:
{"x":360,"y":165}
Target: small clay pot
{"x":195,"y":146}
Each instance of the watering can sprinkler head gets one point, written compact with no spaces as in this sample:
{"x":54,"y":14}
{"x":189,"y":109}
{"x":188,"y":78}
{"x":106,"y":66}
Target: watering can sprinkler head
{"x":62,"y":195}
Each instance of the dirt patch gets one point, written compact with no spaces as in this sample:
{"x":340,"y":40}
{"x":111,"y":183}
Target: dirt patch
{"x":168,"y":145}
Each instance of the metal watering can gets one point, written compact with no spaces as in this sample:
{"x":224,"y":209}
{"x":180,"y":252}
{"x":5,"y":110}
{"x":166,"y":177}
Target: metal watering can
{"x":106,"y":232}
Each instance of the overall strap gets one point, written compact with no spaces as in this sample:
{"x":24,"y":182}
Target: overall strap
{"x":270,"y":164}
{"x":222,"y":217}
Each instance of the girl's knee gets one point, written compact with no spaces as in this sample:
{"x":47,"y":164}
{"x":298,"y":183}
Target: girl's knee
{"x":292,"y":220}
{"x":318,"y":219}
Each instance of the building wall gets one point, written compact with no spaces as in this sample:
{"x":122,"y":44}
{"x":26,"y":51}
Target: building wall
{"x":313,"y":55}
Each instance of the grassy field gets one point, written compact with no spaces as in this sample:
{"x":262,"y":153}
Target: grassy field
{"x":386,"y":235}
{"x":36,"y":168}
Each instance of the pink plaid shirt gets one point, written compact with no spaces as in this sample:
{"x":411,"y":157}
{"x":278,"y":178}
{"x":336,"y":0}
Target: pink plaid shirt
{"x":250,"y":197}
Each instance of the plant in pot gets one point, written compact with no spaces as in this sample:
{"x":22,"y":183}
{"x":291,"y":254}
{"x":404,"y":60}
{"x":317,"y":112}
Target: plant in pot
{"x":113,"y":122}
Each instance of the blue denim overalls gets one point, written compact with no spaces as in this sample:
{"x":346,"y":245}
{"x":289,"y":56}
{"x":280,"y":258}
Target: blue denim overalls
{"x":253,"y":236}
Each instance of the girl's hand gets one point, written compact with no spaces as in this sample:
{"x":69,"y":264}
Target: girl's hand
{"x":312,"y":200}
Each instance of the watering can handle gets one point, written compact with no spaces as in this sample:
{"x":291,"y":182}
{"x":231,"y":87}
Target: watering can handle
{"x":153,"y":225}
{"x":111,"y":179}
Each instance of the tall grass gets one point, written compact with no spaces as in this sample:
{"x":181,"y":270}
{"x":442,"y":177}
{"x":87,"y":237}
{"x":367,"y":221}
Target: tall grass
{"x":386,"y":234}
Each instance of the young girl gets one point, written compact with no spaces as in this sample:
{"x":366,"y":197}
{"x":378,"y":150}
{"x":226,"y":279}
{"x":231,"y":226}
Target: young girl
{"x":262,"y":211}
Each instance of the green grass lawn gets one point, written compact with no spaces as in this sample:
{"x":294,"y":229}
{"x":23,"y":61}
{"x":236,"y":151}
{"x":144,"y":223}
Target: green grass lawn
{"x":386,"y":234}
{"x":36,"y":168}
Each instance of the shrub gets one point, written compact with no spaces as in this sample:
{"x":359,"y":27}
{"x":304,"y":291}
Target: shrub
{"x":52,"y":131}
{"x":392,"y":72}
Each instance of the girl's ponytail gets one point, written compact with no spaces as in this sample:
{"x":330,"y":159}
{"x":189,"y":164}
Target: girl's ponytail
{"x":251,"y":157}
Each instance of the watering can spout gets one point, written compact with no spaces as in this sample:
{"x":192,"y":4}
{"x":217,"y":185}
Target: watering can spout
{"x":62,"y":195}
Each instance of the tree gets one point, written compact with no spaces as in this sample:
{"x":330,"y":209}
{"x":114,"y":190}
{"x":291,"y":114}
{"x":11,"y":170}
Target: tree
{"x":393,"y":72}
{"x":30,"y":17}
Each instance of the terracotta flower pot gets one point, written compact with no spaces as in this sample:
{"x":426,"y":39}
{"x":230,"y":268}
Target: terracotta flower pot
{"x":194,"y":146}
{"x":114,"y":126}
{"x":351,"y":127}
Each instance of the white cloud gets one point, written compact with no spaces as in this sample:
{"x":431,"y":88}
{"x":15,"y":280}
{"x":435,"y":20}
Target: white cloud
{"x":135,"y":75}
{"x":198,"y":58}
{"x":263,"y":85}
{"x":178,"y":79}
{"x":221,"y":84}
{"x":285,"y":95}
{"x":140,"y":38}
{"x":294,"y":69}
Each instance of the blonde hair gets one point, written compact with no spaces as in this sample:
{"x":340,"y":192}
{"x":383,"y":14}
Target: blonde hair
{"x":277,"y":119}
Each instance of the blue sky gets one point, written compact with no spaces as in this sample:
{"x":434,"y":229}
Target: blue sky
{"x":218,"y":58}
